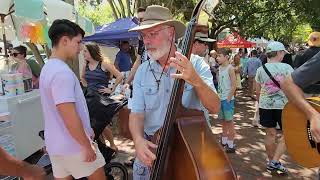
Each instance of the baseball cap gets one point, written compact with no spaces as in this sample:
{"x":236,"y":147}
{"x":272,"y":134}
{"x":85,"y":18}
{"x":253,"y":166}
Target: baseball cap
{"x":275,"y":46}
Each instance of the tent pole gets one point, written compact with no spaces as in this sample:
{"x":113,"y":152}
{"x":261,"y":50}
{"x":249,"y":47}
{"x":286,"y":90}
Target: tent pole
{"x":4,"y":38}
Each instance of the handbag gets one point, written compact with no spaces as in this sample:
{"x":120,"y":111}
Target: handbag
{"x":106,"y":100}
{"x":101,"y":108}
{"x":271,"y":77}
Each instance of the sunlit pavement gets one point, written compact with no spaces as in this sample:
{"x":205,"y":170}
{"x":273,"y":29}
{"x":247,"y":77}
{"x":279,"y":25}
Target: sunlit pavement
{"x":249,"y":161}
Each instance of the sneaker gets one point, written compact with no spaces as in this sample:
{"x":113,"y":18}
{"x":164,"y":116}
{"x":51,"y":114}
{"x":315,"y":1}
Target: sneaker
{"x":230,"y":150}
{"x":269,"y":166}
{"x":255,"y":123}
{"x":276,"y":166}
{"x":223,"y":145}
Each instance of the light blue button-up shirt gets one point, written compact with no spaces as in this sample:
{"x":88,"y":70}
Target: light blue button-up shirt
{"x":153,"y":101}
{"x":252,"y":65}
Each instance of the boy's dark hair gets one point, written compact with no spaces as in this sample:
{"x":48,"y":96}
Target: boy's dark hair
{"x":254,"y":52}
{"x":124,"y":42}
{"x":64,"y":27}
{"x":22,"y":50}
{"x":141,"y":9}
{"x":224,"y":51}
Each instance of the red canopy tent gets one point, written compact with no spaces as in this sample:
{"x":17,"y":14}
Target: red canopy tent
{"x":234,"y":40}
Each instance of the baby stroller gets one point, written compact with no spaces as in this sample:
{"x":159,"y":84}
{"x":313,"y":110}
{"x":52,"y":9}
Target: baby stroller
{"x":101,"y":110}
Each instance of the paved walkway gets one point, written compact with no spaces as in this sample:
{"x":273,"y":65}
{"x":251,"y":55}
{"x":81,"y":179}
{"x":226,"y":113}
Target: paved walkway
{"x":249,"y":161}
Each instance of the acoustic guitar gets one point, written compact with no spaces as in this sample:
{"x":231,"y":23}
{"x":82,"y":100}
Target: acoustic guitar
{"x":296,"y":129}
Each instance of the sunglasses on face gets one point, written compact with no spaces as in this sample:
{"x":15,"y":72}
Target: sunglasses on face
{"x":202,"y":42}
{"x":15,"y":54}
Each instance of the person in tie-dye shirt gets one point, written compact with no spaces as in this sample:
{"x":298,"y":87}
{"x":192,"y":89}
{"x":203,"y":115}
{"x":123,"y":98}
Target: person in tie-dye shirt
{"x":271,"y":102}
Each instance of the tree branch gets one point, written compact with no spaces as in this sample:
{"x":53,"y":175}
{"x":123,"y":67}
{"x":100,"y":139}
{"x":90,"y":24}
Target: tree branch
{"x":114,"y":11}
{"x":129,"y":8}
{"x":123,"y":14}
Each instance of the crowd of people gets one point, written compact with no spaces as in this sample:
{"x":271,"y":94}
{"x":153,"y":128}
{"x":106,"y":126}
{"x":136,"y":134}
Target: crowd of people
{"x":272,"y":75}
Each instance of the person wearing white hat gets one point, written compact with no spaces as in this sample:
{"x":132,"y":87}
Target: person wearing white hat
{"x":153,"y":83}
{"x":200,"y":45}
{"x":271,"y":101}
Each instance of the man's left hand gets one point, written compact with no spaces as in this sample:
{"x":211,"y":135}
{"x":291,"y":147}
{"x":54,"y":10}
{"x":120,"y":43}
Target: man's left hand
{"x":186,"y":69}
{"x":315,"y":127}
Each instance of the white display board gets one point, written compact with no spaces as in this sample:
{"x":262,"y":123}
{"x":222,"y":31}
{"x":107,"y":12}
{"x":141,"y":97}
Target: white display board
{"x":20,"y":134}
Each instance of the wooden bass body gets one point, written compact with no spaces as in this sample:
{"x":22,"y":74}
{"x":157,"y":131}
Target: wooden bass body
{"x":296,"y":129}
{"x":194,"y":153}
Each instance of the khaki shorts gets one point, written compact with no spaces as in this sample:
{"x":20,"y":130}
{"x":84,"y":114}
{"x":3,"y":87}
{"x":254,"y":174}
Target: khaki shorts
{"x":74,"y":165}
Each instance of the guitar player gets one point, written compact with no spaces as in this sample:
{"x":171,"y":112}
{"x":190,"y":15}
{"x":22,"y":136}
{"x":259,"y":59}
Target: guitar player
{"x":305,"y":75}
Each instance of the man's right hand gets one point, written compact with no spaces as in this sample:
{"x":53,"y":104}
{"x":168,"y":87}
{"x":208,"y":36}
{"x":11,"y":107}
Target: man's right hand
{"x":35,"y":173}
{"x":143,"y":151}
{"x":89,"y":153}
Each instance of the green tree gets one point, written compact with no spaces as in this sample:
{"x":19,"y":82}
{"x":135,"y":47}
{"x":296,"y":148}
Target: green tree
{"x":124,"y":8}
{"x":300,"y":35}
{"x":273,"y":19}
{"x":99,"y":14}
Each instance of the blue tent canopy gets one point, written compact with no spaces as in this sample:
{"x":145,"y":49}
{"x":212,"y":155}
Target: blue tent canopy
{"x":111,"y":34}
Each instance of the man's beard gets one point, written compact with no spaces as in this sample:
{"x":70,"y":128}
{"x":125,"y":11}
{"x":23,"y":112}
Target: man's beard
{"x":159,"y":52}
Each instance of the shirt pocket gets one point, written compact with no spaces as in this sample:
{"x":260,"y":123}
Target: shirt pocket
{"x":188,"y":87}
{"x":151,"y":94}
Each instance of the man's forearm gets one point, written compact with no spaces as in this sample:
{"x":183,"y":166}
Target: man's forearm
{"x":296,"y":96}
{"x":134,"y":70}
{"x":10,"y":166}
{"x":73,"y":123}
{"x":118,"y":81}
{"x":233,"y":90}
{"x":208,"y":97}
{"x":76,"y":130}
{"x":136,"y":126}
{"x":233,"y":87}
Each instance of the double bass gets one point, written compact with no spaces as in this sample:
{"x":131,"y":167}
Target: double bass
{"x":187,"y":149}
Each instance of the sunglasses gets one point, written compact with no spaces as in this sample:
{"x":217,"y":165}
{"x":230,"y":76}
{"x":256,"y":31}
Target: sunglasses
{"x":202,"y":42}
{"x":15,"y":54}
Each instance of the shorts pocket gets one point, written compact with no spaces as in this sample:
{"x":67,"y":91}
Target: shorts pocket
{"x":140,"y":172}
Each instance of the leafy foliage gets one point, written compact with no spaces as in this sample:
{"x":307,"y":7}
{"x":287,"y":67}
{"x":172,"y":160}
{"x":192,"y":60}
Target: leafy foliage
{"x":283,"y":20}
{"x":99,"y":15}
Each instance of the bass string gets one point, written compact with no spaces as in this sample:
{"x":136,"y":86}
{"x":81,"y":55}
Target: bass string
{"x":163,"y":138}
{"x":166,"y":130}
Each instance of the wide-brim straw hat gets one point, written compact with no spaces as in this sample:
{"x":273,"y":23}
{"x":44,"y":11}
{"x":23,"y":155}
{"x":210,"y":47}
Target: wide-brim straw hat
{"x":156,"y":15}
{"x":314,"y":39}
{"x":203,"y":37}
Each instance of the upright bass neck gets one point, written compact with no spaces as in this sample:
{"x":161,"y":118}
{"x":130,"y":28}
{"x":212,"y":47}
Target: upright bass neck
{"x":176,"y":95}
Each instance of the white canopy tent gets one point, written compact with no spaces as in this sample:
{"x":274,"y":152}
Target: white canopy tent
{"x":57,"y":9}
{"x":260,"y":42}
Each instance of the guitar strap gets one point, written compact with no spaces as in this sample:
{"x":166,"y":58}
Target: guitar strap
{"x":271,"y":77}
